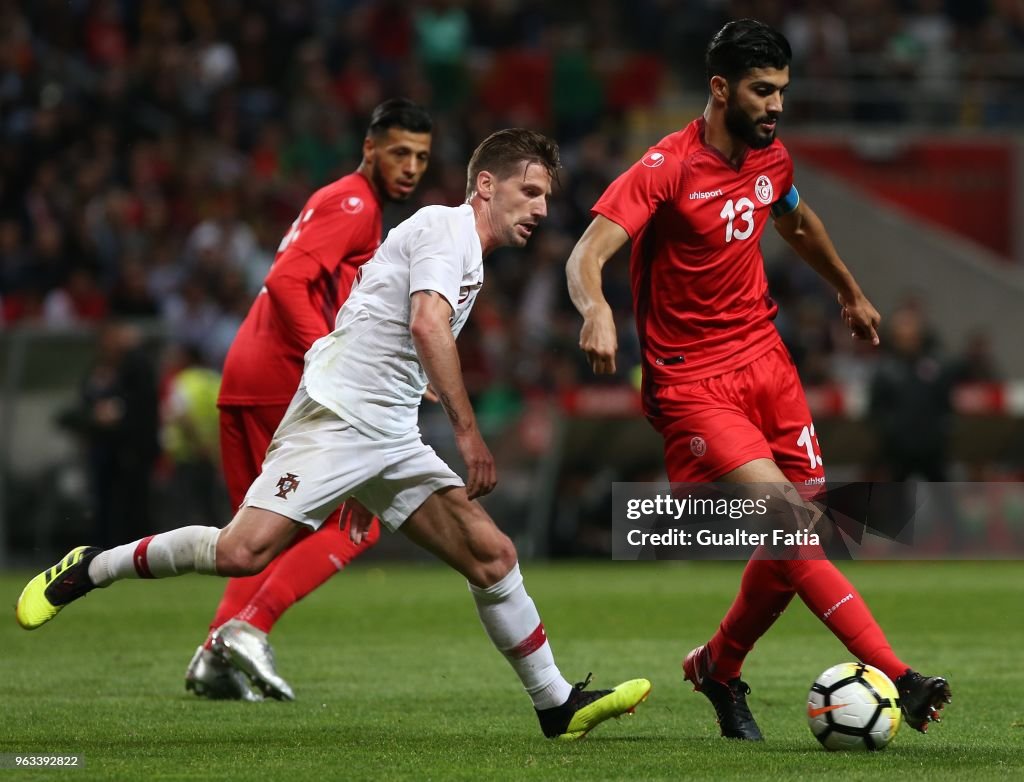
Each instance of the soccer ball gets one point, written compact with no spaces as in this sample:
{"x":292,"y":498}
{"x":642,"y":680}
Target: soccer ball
{"x":853,"y":706}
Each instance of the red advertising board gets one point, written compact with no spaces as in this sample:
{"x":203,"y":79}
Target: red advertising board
{"x":962,"y":185}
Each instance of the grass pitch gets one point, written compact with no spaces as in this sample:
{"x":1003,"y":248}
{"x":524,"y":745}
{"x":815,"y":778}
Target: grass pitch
{"x":396,"y":680}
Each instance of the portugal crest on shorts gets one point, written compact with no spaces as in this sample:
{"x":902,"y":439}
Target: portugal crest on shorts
{"x":286,"y":484}
{"x":763,"y":190}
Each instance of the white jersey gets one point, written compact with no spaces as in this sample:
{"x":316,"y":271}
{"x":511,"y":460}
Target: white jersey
{"x":367,"y":370}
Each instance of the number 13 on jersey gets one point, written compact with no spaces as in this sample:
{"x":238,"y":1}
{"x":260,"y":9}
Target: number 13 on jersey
{"x":742,"y":209}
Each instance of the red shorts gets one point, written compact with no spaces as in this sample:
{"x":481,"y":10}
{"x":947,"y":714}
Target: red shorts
{"x":714,"y":425}
{"x":245,"y":433}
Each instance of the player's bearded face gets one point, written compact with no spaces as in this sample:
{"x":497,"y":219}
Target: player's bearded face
{"x":749,"y":128}
{"x":754,"y":104}
{"x":400,"y":159}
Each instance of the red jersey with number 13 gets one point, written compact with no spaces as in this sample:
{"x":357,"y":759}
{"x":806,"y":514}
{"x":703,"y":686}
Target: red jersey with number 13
{"x":700,"y":293}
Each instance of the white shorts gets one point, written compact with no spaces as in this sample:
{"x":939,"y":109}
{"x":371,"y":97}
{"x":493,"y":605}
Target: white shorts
{"x":317,"y":460}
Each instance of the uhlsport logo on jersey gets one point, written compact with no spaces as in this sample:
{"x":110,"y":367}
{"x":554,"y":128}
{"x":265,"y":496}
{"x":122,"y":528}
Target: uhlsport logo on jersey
{"x":286,"y":484}
{"x":763,"y":190}
{"x":653,"y":159}
{"x":353,"y":205}
{"x":699,"y":446}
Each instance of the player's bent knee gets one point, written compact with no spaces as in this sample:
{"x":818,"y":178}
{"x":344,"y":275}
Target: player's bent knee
{"x":252,"y":539}
{"x":236,"y":560}
{"x":238,"y":555}
{"x":494,"y":557}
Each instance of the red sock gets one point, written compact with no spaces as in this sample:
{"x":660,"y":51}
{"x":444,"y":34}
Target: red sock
{"x":240,"y":591}
{"x":833,"y":599}
{"x":763,"y":596}
{"x":302,"y":568}
{"x":237,"y":594}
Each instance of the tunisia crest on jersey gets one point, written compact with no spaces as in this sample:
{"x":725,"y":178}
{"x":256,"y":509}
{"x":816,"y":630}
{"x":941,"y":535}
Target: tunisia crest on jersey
{"x":763,"y":190}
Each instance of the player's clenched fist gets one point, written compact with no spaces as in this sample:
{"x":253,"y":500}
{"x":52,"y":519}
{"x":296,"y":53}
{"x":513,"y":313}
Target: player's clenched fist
{"x":599,"y":341}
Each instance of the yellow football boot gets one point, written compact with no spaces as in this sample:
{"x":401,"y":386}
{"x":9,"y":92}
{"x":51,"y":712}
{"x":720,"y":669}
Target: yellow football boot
{"x":46,"y":594}
{"x":585,"y":710}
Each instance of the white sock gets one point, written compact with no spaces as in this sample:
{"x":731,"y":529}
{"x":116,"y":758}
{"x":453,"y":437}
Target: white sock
{"x":514,"y":627}
{"x":183,"y":550}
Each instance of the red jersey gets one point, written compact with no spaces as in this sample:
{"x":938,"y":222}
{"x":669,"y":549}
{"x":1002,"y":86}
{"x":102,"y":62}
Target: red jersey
{"x":336,"y":232}
{"x":700,"y":293}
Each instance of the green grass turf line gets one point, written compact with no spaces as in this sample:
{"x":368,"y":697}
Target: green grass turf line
{"x":396,"y":680}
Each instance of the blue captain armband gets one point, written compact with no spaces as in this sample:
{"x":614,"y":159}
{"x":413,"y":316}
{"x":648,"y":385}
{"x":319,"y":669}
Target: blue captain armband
{"x":786,"y":204}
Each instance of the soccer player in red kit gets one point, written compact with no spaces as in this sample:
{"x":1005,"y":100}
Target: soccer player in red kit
{"x":337,"y":230}
{"x":718,"y":383}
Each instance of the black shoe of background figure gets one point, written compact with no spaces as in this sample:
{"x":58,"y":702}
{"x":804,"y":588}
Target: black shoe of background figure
{"x":729,"y":699}
{"x":922,"y":698}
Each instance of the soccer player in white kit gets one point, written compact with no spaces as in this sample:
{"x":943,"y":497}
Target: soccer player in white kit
{"x":351,"y":433}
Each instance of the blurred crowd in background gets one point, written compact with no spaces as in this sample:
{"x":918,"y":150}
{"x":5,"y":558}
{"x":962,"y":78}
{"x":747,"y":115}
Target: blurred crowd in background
{"x":154,"y":153}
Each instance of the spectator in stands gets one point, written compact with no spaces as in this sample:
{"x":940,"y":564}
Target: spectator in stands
{"x":818,"y":35}
{"x":78,"y":301}
{"x":977,"y":363}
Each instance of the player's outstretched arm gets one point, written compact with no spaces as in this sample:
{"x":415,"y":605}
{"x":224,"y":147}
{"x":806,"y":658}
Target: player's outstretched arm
{"x":806,"y":234}
{"x":598,"y":338}
{"x":435,"y":345}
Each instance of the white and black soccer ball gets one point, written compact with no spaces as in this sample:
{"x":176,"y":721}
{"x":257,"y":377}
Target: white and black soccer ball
{"x":853,"y":706}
